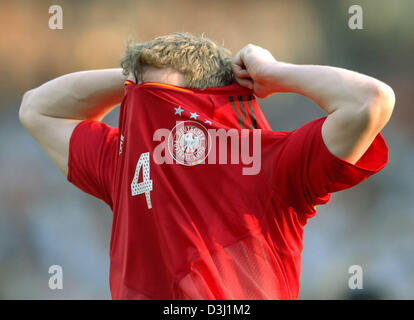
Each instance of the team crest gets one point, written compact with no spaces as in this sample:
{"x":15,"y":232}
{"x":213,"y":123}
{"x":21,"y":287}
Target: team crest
{"x":189,"y":143}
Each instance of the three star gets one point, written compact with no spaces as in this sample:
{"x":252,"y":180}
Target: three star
{"x":193,"y":115}
{"x":178,"y":110}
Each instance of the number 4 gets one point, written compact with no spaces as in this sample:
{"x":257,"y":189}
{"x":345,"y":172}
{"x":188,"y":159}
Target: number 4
{"x":146,"y":185}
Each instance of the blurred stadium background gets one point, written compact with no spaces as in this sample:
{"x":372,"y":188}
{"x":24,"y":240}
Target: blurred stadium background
{"x":44,"y":220}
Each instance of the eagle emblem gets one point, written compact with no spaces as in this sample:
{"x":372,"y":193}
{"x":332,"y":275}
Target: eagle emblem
{"x":189,"y":143}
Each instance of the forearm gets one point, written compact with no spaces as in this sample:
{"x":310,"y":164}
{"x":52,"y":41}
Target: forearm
{"x":79,"y":96}
{"x":329,"y":87}
{"x":358,"y":106}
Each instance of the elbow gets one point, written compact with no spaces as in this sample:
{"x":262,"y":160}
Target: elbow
{"x":384,"y":96}
{"x":25,"y":110}
{"x":380,"y":105}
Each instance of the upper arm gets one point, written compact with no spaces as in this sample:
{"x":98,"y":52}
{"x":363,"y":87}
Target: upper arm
{"x":84,"y":150}
{"x":348,"y":132}
{"x":53,"y":134}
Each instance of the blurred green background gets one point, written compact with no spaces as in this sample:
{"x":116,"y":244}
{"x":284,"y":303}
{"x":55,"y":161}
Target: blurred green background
{"x":44,"y":220}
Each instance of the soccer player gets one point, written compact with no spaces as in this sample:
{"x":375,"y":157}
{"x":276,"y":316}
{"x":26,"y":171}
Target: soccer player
{"x":185,"y":227}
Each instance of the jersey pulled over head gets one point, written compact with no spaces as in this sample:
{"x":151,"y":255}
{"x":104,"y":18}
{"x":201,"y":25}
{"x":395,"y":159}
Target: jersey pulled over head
{"x":170,"y":187}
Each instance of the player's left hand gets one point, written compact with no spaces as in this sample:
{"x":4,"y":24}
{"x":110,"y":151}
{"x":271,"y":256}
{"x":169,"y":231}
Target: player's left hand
{"x":254,"y":68}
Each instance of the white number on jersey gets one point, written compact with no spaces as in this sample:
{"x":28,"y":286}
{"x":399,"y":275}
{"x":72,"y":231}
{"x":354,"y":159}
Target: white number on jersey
{"x":146,"y":185}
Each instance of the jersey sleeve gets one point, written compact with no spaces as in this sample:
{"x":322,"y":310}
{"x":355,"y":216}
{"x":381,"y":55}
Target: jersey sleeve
{"x":92,"y":155}
{"x":306,"y":172}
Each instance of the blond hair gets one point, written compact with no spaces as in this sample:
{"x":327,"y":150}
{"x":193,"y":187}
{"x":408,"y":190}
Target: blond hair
{"x":202,"y":62}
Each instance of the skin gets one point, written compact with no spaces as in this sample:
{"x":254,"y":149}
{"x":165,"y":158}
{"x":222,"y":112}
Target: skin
{"x":358,"y":106}
{"x":51,"y":112}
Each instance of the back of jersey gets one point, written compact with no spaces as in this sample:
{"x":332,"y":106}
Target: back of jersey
{"x":189,"y":220}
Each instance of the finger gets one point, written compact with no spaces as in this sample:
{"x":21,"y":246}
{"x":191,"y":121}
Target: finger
{"x":239,"y":71}
{"x":237,"y":60}
{"x":238,"y":67}
{"x":247,"y":83}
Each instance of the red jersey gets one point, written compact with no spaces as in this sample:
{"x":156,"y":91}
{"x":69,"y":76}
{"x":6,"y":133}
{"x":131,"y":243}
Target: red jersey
{"x":200,"y":230}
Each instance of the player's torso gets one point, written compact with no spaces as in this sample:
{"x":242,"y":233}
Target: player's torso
{"x":172,"y":200}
